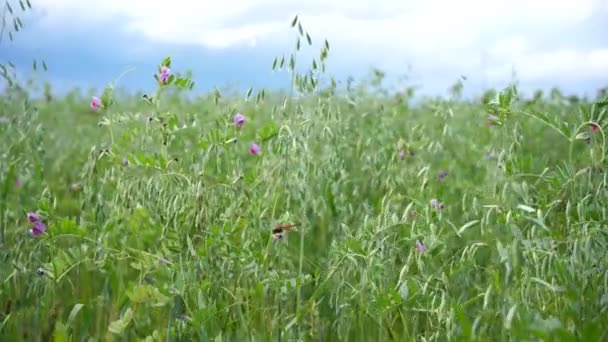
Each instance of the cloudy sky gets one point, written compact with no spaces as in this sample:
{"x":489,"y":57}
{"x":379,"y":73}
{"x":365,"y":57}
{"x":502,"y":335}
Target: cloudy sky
{"x":545,"y":42}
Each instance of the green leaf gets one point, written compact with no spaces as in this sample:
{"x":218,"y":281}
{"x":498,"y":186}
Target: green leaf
{"x":294,"y":21}
{"x":166,"y":62}
{"x":248,"y":93}
{"x":274,"y":63}
{"x":60,"y":333}
{"x":171,"y":79}
{"x":118,"y":327}
{"x":269,"y":131}
{"x":467,"y":226}
{"x":298,"y":45}
{"x":106,"y":97}
{"x":314,"y":64}
{"x":34,"y":65}
{"x":308,"y":39}
{"x":44,"y":66}
{"x":282,"y":63}
{"x":526,"y":208}
{"x":191,"y":85}
{"x":74,"y":312}
{"x":300,"y":29}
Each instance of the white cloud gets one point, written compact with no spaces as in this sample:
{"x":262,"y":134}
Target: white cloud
{"x":429,"y":34}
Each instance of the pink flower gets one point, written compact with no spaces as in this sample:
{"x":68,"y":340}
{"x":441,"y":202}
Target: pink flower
{"x":33,"y":217}
{"x":420,"y":247}
{"x":38,"y":227}
{"x":239,"y":120}
{"x":254,"y":149}
{"x":165,"y":72}
{"x":17,"y":183}
{"x":95,"y":102}
{"x":595,"y":127}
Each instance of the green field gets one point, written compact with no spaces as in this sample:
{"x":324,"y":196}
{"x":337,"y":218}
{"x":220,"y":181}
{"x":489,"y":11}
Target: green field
{"x":416,"y":221}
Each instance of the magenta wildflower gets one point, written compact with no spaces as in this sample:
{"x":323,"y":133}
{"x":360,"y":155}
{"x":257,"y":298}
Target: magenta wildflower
{"x":254,"y":149}
{"x":17,"y":183}
{"x":95,"y":102}
{"x":165,"y":72}
{"x":420,"y":247}
{"x":239,"y":120}
{"x":38,"y":227}
{"x":33,"y":217}
{"x":595,"y":127}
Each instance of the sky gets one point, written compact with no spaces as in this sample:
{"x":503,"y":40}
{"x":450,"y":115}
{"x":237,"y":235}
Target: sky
{"x":544,"y":43}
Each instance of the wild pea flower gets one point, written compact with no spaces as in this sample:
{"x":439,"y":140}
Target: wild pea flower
{"x":239,"y":120}
{"x":254,"y":149}
{"x":38,"y":227}
{"x":165,"y":72}
{"x":436,"y":204}
{"x":95,"y":102}
{"x":420,"y":247}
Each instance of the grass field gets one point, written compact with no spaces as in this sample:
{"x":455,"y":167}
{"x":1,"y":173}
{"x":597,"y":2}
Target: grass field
{"x":151,"y":219}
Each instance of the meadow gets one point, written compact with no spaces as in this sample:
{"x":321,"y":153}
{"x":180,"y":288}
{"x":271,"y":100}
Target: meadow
{"x":154,"y":218}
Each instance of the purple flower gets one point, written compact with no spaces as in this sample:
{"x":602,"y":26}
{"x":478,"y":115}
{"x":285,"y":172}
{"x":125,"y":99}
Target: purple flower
{"x":401,"y":154}
{"x":420,"y":247}
{"x":165,"y":72}
{"x":95,"y":102}
{"x":38,"y":227}
{"x":436,"y":204}
{"x":33,"y":217}
{"x":254,"y":149}
{"x":239,"y":120}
